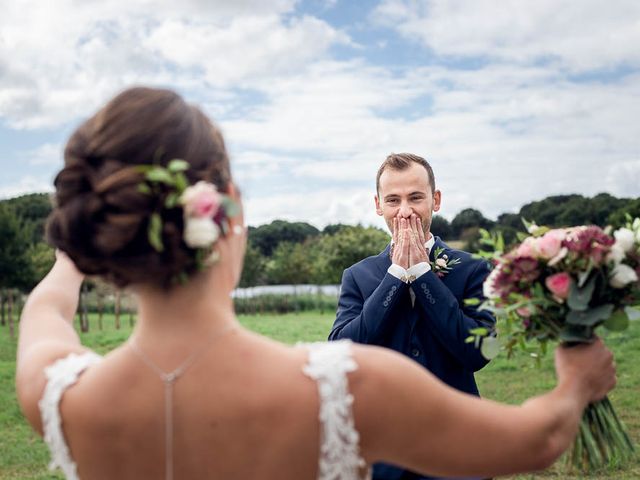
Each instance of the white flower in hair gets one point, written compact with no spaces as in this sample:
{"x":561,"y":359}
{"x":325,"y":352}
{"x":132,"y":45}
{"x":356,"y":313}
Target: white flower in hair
{"x":200,"y":232}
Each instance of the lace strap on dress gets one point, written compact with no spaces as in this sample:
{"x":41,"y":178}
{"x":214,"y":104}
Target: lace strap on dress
{"x":329,"y":364}
{"x":61,"y":375}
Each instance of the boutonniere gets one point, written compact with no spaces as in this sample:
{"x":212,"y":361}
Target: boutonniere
{"x":442,"y":264}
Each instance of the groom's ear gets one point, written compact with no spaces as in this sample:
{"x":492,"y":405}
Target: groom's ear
{"x":437,"y":198}
{"x":378,"y":207}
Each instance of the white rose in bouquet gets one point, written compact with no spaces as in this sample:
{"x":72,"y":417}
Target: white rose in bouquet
{"x":622,"y":275}
{"x":625,"y":239}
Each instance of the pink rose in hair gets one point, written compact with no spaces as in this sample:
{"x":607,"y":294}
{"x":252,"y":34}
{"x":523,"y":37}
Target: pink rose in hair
{"x":559,"y":284}
{"x":549,"y":244}
{"x":201,"y":200}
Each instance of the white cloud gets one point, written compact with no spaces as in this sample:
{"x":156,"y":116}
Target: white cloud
{"x":75,"y":55}
{"x":331,"y":205}
{"x":623,"y":177}
{"x":46,"y":154}
{"x":26,"y":184}
{"x":246,"y":50}
{"x":581,"y":36}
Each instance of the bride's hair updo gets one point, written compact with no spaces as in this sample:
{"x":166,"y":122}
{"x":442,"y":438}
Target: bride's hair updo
{"x":101,"y":215}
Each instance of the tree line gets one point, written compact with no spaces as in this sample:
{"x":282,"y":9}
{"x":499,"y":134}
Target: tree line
{"x":283,"y":252}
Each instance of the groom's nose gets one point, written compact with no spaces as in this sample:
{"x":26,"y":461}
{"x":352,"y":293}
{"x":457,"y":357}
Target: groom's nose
{"x":405,"y":211}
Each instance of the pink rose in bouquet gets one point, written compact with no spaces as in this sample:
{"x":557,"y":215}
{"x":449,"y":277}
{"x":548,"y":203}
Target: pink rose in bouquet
{"x":550,"y":243}
{"x":559,"y":284}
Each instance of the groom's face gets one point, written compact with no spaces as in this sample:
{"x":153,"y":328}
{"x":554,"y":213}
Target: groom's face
{"x":404,"y":192}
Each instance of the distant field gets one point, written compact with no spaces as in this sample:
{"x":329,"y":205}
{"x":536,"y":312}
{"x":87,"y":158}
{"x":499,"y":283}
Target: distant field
{"x":24,"y":456}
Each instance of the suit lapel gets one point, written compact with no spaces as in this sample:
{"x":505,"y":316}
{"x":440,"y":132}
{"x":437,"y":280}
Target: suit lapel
{"x":438,"y":244}
{"x":383,"y":261}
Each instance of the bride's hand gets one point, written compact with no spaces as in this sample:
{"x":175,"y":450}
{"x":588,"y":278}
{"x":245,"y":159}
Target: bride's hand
{"x":589,"y":367}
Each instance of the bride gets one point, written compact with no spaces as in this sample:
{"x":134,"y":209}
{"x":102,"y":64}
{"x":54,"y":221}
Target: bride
{"x":146,"y":201}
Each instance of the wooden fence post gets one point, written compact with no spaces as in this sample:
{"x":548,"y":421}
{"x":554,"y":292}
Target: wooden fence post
{"x":3,"y":320}
{"x":10,"y":314}
{"x":100,"y":311}
{"x":116,"y":308}
{"x":84,"y":319}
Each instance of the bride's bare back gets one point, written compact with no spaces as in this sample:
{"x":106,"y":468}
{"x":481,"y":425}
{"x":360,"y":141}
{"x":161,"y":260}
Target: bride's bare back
{"x":243,"y":410}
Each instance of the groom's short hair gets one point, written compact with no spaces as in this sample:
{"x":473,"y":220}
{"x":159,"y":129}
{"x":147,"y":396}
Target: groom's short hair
{"x":401,"y":161}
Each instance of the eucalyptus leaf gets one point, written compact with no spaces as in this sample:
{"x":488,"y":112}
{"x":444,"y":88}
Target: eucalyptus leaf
{"x":178,"y":165}
{"x":181,"y":182}
{"x":579,"y":298}
{"x":230,"y":207}
{"x":527,"y":224}
{"x":591,"y":316}
{"x":144,"y":188}
{"x":171,"y":200}
{"x":576,"y":334}
{"x":472,"y":301}
{"x":155,"y":232}
{"x":583,"y":277}
{"x":617,"y":321}
{"x":500,"y":242}
{"x":160,"y":175}
{"x":479,"y":331}
{"x":540,"y":231}
{"x":470,"y":339}
{"x":490,"y":348}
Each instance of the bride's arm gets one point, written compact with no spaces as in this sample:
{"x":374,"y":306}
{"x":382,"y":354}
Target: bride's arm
{"x":46,"y":332}
{"x":408,"y":417}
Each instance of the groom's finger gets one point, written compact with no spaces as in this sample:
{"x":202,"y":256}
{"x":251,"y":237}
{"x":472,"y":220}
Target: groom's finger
{"x":394,"y":233}
{"x":407,"y":238}
{"x":420,"y":230}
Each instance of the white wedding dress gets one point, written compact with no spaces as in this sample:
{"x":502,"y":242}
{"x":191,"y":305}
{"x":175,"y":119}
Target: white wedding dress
{"x":328,"y":365}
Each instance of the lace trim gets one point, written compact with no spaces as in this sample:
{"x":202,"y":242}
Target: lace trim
{"x":61,"y":375}
{"x":329,"y":364}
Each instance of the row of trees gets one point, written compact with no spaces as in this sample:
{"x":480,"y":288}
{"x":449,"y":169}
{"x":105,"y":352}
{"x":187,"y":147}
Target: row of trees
{"x":296,"y":253}
{"x":555,"y":211}
{"x":284,"y":252}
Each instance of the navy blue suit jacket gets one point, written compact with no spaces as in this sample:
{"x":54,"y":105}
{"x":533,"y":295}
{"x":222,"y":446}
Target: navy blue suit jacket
{"x":375,"y":308}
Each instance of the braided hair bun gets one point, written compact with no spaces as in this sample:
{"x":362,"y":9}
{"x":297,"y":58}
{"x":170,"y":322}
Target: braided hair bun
{"x":101,"y":217}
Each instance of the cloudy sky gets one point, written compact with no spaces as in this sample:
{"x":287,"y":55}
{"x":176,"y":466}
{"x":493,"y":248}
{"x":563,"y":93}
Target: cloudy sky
{"x":510,"y":100}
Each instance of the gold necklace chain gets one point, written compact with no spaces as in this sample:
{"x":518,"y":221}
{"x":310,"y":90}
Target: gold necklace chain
{"x":169,"y":379}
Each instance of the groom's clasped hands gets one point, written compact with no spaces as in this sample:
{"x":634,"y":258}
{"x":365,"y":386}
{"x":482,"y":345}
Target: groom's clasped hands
{"x":408,"y":242}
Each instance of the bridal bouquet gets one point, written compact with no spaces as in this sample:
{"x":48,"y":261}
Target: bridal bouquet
{"x":560,"y":285}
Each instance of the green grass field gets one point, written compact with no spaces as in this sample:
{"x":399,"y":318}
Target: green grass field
{"x":24,"y":456}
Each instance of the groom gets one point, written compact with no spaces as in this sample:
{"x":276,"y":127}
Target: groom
{"x":408,"y":300}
